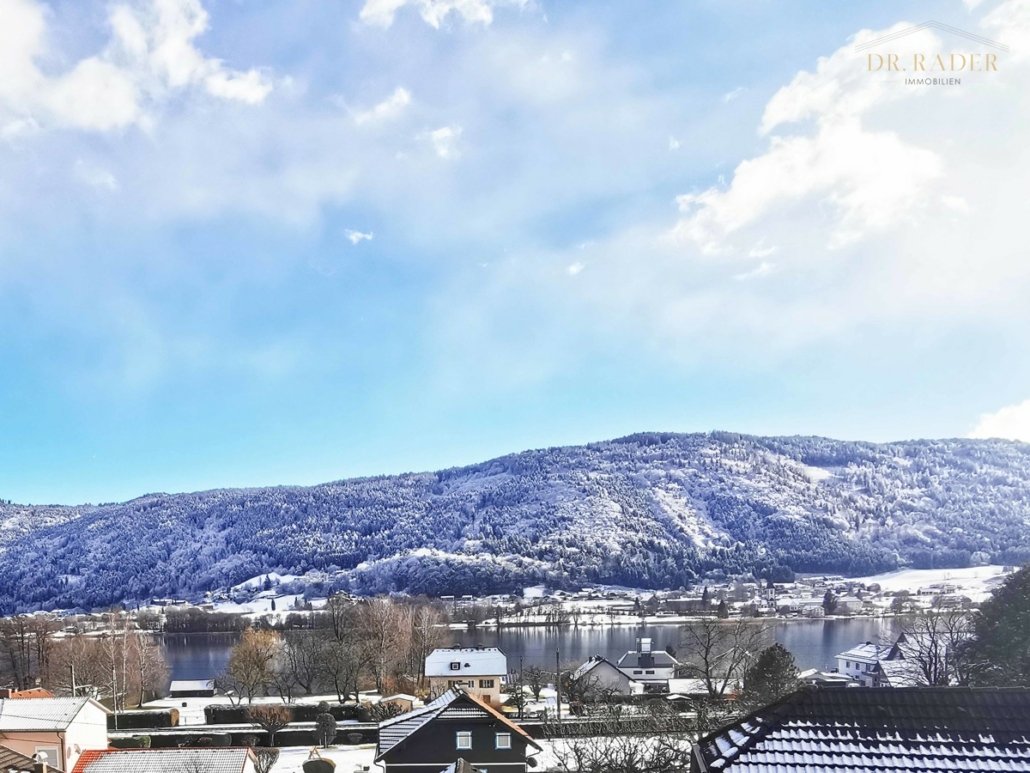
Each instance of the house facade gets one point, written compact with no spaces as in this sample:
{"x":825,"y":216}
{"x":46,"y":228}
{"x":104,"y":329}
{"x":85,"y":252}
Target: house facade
{"x":860,"y":663}
{"x":480,"y":671}
{"x":62,"y":728}
{"x":650,"y":668}
{"x":601,"y":675}
{"x":455,"y":726}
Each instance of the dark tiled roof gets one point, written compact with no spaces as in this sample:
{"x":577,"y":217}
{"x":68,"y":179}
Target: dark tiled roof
{"x":12,"y":760}
{"x":453,"y":704}
{"x":877,"y":730}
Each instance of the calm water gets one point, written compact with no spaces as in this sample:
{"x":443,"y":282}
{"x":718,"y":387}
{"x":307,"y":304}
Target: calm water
{"x":814,"y":643}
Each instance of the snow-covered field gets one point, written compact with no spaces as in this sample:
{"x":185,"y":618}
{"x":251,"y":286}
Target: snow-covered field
{"x":977,"y":582}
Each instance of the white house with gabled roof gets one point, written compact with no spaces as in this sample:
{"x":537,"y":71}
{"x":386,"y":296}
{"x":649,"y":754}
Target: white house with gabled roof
{"x":61,"y":728}
{"x":479,"y":670}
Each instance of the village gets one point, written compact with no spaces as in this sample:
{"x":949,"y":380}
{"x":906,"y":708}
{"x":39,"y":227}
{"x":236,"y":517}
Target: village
{"x":409,"y":686}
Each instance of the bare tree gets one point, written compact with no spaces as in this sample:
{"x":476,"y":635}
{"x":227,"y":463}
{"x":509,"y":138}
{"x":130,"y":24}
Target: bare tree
{"x":719,"y":651}
{"x":271,"y":718}
{"x":933,"y":641}
{"x":251,"y":664}
{"x":535,"y":679}
{"x":342,"y":665}
{"x":655,"y":739}
{"x":383,"y":638}
{"x":427,"y":634}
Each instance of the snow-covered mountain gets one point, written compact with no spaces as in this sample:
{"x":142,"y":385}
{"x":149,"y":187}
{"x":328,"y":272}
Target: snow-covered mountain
{"x":650,"y":510}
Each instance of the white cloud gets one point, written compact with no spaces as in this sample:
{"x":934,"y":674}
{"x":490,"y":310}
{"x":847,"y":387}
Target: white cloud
{"x":871,"y":180}
{"x":95,"y":176}
{"x":381,"y":13}
{"x":356,"y":237}
{"x":1011,"y":422}
{"x":575,"y":268}
{"x":151,"y":51}
{"x":864,"y":195}
{"x":762,"y":269}
{"x":674,"y":144}
{"x":389,"y":108}
{"x":445,"y":140}
{"x":158,"y":39}
{"x":732,"y":95}
{"x":761,"y":251}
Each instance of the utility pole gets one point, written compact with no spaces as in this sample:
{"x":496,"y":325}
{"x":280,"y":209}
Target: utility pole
{"x":557,"y":679}
{"x":75,"y":689}
{"x":522,"y":688}
{"x":114,"y":691}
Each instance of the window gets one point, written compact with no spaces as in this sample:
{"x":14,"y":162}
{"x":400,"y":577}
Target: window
{"x":649,"y":672}
{"x":485,"y":684}
{"x":464,"y":739}
{"x":503,"y":740}
{"x":53,"y":759}
{"x":638,"y":672}
{"x":455,"y":666}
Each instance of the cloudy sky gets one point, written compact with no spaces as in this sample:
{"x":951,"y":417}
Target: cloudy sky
{"x":248,"y":243}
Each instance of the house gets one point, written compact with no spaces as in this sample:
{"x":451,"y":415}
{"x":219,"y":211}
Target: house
{"x":688,"y":688}
{"x":859,"y":663}
{"x":817,"y":678}
{"x":875,"y":730}
{"x":401,"y":700}
{"x":456,"y":725}
{"x":601,"y":675}
{"x":480,"y":670}
{"x":849,"y":605}
{"x":653,"y":669}
{"x":63,"y":728}
{"x":32,"y":692}
{"x":11,"y":760}
{"x":177,"y":760}
{"x":192,"y":688}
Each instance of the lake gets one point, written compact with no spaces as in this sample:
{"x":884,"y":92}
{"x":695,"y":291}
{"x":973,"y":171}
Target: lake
{"x":814,"y":643}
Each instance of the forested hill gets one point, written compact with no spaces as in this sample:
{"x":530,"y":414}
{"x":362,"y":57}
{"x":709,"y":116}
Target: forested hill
{"x":650,"y":510}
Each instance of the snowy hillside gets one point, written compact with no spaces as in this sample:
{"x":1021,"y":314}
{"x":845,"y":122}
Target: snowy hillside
{"x":650,"y":510}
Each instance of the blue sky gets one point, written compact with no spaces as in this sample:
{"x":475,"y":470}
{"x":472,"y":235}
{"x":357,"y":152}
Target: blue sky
{"x":251,"y":243}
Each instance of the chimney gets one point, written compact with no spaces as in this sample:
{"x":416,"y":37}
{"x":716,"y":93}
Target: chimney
{"x":39,"y":762}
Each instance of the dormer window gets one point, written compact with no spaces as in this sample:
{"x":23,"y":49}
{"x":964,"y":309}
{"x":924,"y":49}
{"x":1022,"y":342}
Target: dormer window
{"x":455,"y":666}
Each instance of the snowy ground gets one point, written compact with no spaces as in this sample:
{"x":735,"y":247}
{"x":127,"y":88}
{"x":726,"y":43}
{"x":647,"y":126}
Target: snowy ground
{"x":347,"y":758}
{"x":977,"y":582}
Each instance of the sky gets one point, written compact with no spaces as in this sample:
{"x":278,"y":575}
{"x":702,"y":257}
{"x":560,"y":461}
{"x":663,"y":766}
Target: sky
{"x":248,"y":243}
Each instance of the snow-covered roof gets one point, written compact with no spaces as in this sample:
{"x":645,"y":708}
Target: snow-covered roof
{"x":655,"y":659}
{"x":163,"y":760}
{"x":866,"y":653}
{"x":192,"y":685}
{"x":688,"y":686}
{"x":593,"y":663}
{"x":871,"y":730}
{"x":467,"y":661}
{"x":22,"y":714}
{"x":899,"y":673}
